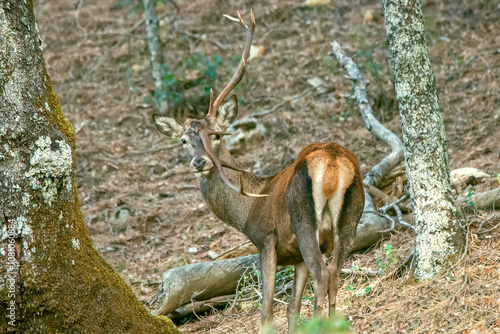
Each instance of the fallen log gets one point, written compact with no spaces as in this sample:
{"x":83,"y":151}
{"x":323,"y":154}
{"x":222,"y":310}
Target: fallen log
{"x":488,"y":200}
{"x":198,"y":282}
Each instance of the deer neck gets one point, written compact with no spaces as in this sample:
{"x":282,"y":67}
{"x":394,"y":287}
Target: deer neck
{"x":225,"y":203}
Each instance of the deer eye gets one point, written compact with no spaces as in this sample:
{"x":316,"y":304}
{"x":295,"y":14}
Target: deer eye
{"x":183,"y":141}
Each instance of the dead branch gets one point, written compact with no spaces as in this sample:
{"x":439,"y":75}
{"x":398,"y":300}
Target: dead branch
{"x":370,"y":224}
{"x":200,"y":306}
{"x":380,"y":194}
{"x":399,"y":214}
{"x":374,"y":177}
{"x":245,"y":248}
{"x":396,"y":202}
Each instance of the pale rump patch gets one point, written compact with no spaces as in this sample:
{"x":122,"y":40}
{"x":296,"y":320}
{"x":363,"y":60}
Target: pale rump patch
{"x":335,"y":203}
{"x":319,"y":200}
{"x":330,"y":179}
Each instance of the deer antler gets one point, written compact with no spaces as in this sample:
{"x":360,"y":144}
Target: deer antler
{"x":240,"y":70}
{"x":204,"y":136}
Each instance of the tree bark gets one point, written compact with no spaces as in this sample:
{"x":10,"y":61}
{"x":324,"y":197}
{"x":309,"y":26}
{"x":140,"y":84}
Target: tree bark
{"x":438,"y":236}
{"x":52,"y":279}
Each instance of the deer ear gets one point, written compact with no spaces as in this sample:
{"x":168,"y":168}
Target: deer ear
{"x":168,"y":126}
{"x":227,"y":113}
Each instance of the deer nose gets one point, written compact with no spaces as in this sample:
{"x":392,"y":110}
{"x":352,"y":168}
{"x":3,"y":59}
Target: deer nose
{"x":199,"y":164}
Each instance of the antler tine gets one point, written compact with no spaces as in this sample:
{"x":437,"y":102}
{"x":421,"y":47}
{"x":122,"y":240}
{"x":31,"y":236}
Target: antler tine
{"x":204,"y":134}
{"x":211,"y":112}
{"x":240,"y":70}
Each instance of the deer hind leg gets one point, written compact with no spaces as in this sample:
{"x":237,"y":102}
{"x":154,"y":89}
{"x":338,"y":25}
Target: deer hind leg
{"x":301,"y":207}
{"x":309,"y":248}
{"x":335,"y":203}
{"x":299,"y":282}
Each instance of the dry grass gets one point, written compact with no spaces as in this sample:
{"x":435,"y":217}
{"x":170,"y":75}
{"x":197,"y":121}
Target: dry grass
{"x":143,"y":210}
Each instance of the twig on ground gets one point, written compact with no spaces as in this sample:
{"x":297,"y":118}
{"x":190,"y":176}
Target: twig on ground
{"x":403,"y":265}
{"x":468,"y":61}
{"x":465,"y":248}
{"x":384,"y":307}
{"x":362,"y":272}
{"x":111,"y":50}
{"x":187,"y":187}
{"x":203,"y":319}
{"x":286,"y":100}
{"x":488,"y":230}
{"x":202,"y":38}
{"x":380,"y":194}
{"x":455,"y":296}
{"x":276,"y":300}
{"x":242,"y":245}
{"x":480,"y":228}
{"x":149,"y":150}
{"x":77,"y":14}
{"x":238,"y":287}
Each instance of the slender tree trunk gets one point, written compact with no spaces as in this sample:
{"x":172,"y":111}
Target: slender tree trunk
{"x":51,"y":278}
{"x":156,"y":55}
{"x":439,"y":238}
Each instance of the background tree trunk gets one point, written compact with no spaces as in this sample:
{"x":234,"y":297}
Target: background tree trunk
{"x":438,"y":235}
{"x":156,"y":55}
{"x":52,"y":279}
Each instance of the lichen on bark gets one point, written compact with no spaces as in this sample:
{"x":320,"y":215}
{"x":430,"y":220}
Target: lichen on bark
{"x":438,"y":236}
{"x":51,"y":168}
{"x":59,"y":283}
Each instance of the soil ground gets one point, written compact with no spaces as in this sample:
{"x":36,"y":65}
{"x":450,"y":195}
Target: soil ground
{"x":141,"y":202}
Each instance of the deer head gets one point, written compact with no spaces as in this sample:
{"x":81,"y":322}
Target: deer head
{"x":201,"y":139}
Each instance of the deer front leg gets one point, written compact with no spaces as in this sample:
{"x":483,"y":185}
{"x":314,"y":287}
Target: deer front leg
{"x":268,"y":261}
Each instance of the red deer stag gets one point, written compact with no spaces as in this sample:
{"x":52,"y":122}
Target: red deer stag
{"x":309,"y":209}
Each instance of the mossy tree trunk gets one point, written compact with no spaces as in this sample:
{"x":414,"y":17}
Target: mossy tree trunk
{"x":439,"y":238}
{"x":51,"y":278}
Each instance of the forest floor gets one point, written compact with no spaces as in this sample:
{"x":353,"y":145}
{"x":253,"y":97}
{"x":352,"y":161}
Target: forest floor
{"x":141,"y":202}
